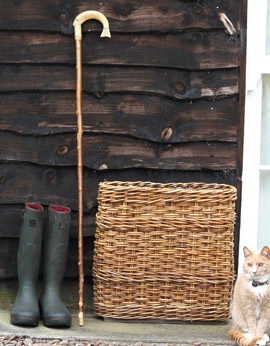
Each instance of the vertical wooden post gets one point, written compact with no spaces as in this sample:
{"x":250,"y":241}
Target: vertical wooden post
{"x":79,"y":20}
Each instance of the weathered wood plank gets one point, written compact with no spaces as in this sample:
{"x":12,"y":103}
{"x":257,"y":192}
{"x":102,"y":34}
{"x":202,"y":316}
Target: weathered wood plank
{"x":136,"y":16}
{"x":8,"y":257}
{"x":116,"y":152}
{"x":149,"y":117}
{"x":21,"y":182}
{"x":24,"y":182}
{"x":9,"y":250}
{"x":241,"y":118}
{"x":11,"y":219}
{"x":72,"y":259}
{"x":166,"y":82}
{"x":189,"y":50}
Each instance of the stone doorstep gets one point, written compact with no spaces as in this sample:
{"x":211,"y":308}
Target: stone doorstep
{"x":96,"y":329}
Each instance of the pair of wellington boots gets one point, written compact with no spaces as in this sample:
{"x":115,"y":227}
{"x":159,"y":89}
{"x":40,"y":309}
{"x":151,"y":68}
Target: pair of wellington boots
{"x":27,"y":309}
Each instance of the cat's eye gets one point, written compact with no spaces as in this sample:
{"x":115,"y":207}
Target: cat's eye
{"x":249,"y":264}
{"x":260,"y":264}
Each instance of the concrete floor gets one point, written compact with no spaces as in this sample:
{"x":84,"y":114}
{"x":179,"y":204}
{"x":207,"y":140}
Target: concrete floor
{"x":95,"y":329}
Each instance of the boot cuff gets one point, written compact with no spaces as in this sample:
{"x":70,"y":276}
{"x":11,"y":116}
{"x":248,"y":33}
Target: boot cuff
{"x":34,"y":207}
{"x":59,"y":209}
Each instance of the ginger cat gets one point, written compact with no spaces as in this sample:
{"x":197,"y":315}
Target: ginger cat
{"x":251,"y":300}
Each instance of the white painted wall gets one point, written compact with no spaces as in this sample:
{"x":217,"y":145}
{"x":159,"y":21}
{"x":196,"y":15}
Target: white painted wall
{"x":257,"y":65}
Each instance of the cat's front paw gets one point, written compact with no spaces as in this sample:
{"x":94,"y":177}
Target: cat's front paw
{"x":261,"y":342}
{"x":265,"y":337}
{"x":248,"y":336}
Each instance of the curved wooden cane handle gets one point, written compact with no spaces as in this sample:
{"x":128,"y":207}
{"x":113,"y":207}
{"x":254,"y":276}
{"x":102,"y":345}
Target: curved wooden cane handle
{"x":84,"y":16}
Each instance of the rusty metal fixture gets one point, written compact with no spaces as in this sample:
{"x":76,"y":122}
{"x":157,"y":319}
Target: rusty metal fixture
{"x":79,"y":20}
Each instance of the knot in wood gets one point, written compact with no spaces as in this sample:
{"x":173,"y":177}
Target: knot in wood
{"x":167,"y":133}
{"x":103,"y":166}
{"x":50,"y":176}
{"x":196,"y":37}
{"x":62,"y":150}
{"x":3,"y":179}
{"x":99,"y":95}
{"x":125,"y":10}
{"x":196,"y":9}
{"x":180,"y":87}
{"x":64,"y":19}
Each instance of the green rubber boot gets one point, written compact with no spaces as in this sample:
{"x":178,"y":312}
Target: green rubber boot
{"x":25,"y":310}
{"x":52,"y":309}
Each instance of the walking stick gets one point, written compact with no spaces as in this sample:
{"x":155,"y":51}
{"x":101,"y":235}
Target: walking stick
{"x":79,"y":20}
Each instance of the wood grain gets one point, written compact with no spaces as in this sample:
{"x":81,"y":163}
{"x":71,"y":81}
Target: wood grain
{"x":139,"y":116}
{"x":172,"y":83}
{"x":23,"y":182}
{"x":8,"y":257}
{"x":188,"y":50}
{"x":116,"y":152}
{"x":135,"y":16}
{"x":161,"y":103}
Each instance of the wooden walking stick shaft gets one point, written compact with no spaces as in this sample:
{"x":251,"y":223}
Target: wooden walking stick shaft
{"x":79,"y":20}
{"x":80,"y":177}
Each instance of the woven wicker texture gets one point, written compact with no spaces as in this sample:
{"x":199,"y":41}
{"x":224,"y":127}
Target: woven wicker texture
{"x":164,"y":251}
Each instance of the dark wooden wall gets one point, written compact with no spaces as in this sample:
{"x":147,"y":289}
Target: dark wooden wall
{"x":162,"y":101}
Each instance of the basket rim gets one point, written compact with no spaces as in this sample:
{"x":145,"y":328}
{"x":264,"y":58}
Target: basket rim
{"x":171,"y":187}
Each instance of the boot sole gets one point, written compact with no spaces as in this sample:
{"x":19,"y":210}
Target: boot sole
{"x":56,"y":322}
{"x":24,"y":320}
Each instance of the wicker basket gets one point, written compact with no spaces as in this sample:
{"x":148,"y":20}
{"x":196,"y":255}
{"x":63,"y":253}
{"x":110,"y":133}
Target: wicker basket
{"x":164,"y":251}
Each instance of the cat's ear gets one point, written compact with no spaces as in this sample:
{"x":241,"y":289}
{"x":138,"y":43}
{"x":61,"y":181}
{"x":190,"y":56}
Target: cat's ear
{"x":266,"y":252}
{"x":247,"y":252}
